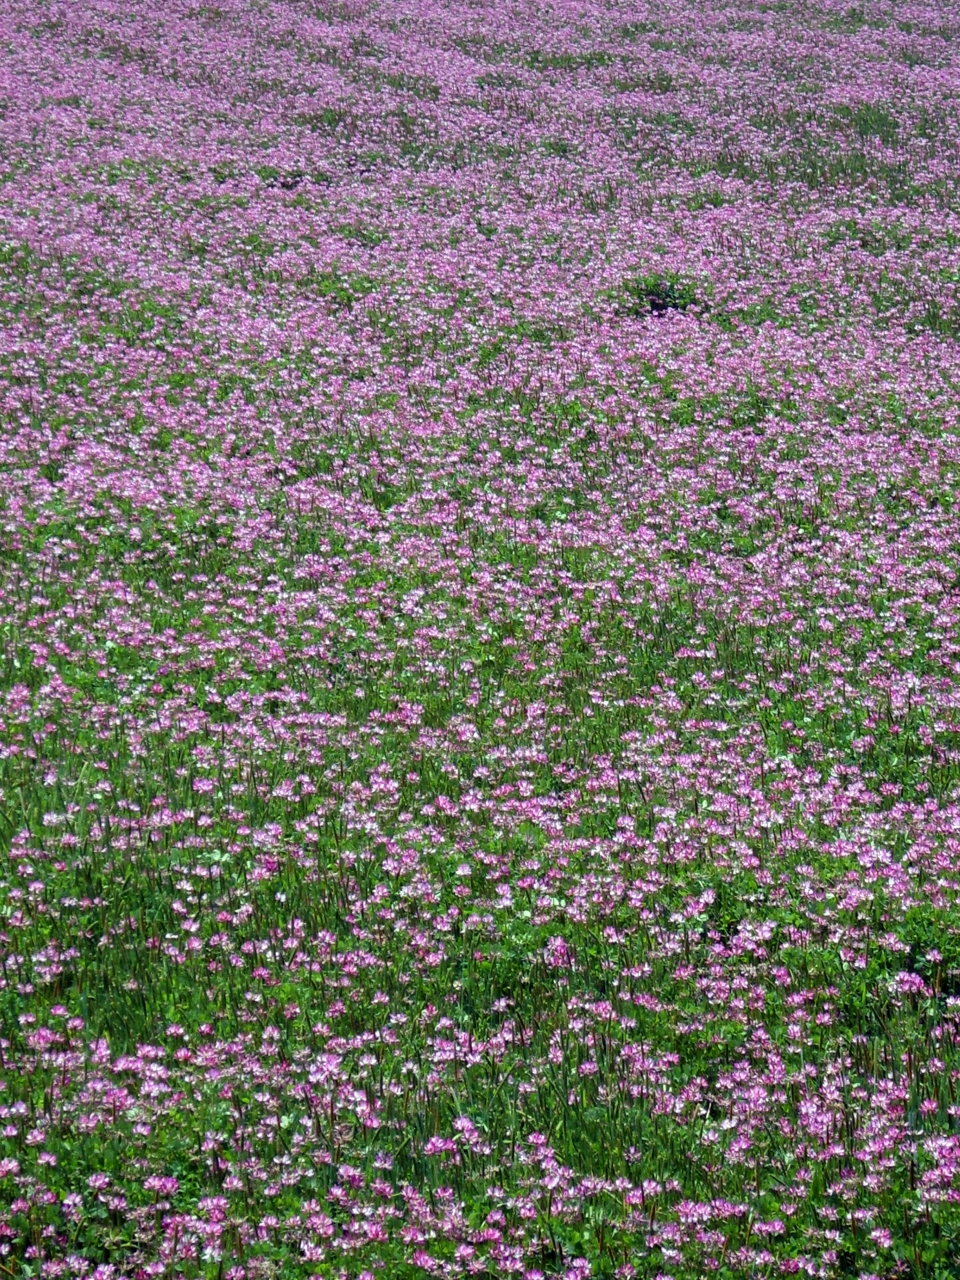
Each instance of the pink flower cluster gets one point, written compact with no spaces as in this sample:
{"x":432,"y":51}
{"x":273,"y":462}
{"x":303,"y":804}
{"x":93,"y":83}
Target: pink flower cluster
{"x":480,"y":615}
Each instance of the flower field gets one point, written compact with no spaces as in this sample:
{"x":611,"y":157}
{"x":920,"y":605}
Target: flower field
{"x":480,"y":639}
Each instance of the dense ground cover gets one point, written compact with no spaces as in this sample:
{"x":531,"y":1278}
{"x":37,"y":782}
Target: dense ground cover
{"x":479,"y":590}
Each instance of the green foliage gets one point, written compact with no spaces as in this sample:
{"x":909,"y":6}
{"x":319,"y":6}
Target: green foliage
{"x":656,"y":294}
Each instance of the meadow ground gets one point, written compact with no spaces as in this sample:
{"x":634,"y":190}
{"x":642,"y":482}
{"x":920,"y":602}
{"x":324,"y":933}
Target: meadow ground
{"x":479,"y":598}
